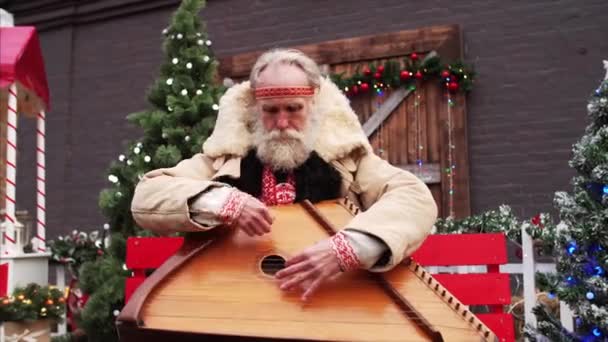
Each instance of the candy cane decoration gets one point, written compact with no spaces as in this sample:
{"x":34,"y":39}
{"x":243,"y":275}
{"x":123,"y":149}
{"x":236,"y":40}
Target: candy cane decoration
{"x":9,"y":239}
{"x":39,"y":238}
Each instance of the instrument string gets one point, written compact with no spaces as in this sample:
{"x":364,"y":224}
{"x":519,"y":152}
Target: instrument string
{"x":396,"y":321}
{"x":393,"y":312}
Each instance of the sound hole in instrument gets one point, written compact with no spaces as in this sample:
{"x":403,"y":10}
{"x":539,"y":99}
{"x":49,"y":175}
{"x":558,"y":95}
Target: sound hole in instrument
{"x":271,"y":264}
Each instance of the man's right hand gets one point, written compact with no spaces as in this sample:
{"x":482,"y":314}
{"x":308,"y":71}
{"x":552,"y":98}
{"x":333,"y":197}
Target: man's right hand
{"x":254,"y":219}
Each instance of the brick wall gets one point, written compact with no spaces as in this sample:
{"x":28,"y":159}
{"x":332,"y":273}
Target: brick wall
{"x":537,"y":63}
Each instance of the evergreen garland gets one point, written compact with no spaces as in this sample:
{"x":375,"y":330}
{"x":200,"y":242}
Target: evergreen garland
{"x":32,"y":302}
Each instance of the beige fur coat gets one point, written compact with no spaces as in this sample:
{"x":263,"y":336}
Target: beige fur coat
{"x":397,"y":207}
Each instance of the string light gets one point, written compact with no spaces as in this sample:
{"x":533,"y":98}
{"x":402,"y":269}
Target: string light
{"x":571,"y":247}
{"x":450,"y":103}
{"x":570,"y":280}
{"x":590,"y":295}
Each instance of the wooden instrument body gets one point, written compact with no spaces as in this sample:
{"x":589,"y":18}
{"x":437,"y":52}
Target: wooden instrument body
{"x":221,"y":290}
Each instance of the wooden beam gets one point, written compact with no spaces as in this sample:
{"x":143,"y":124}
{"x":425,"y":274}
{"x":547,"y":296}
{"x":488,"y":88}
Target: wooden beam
{"x":393,"y":101}
{"x":358,"y":49}
{"x":378,"y":117}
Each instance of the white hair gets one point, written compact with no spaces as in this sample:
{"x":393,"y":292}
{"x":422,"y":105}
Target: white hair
{"x":289,"y":57}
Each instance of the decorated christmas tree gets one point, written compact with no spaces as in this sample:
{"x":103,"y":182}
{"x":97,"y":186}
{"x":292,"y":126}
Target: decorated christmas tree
{"x":582,"y":235}
{"x":184,"y":101}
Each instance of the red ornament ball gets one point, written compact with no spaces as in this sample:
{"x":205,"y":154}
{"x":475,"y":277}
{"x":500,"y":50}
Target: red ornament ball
{"x":453,"y":78}
{"x":100,"y":252}
{"x":49,"y":302}
{"x":453,"y":86}
{"x":445,"y":74}
{"x":377,"y":75}
{"x":367,"y":72}
{"x":419,"y":75}
{"x":355,"y":89}
{"x":537,"y":221}
{"x":404,"y":75}
{"x":61,"y":300}
{"x":380,"y":68}
{"x":364,"y":87}
{"x":414,"y":56}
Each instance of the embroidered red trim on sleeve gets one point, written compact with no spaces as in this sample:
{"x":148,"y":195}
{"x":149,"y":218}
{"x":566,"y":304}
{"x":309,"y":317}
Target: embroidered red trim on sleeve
{"x":344,"y":251}
{"x":233,"y":207}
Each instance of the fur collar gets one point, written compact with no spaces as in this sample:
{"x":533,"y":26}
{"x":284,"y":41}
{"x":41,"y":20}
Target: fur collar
{"x":339,"y":135}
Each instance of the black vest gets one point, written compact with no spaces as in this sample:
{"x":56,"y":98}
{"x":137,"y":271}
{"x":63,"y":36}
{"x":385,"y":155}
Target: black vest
{"x":316,"y":180}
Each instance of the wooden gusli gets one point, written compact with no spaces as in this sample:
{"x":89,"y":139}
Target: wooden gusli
{"x":219,"y":287}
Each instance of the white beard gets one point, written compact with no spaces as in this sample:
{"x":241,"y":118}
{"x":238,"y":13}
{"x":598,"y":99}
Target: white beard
{"x":284,"y":150}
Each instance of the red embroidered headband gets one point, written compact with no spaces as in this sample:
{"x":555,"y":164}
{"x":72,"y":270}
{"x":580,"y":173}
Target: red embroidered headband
{"x":271,"y":92}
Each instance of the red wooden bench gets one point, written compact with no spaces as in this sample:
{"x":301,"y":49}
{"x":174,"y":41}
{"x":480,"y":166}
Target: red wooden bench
{"x":490,"y":289}
{"x":147,"y":253}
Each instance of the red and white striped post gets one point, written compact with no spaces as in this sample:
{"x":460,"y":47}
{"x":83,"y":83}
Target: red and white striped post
{"x":39,"y":238}
{"x":9,"y":238}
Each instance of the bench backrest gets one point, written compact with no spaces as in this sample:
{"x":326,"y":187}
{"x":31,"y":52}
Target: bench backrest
{"x":144,"y":253}
{"x":492,"y":289}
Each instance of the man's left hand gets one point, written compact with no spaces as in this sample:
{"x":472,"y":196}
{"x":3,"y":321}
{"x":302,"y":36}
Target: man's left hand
{"x":309,"y":269}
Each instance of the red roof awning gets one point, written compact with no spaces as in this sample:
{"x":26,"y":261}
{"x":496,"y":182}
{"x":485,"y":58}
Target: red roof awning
{"x":21,"y":61}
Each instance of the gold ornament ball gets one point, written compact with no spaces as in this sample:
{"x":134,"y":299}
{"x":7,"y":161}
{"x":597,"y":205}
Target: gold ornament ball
{"x":21,"y":297}
{"x":49,"y":302}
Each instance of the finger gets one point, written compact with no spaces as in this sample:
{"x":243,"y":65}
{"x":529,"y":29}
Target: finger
{"x":255,"y":229}
{"x":313,"y":288}
{"x":261,"y":226}
{"x":335,"y":276}
{"x":296,"y":259}
{"x":293,"y":269}
{"x":295,"y":281}
{"x":247,"y":230}
{"x":267,"y":217}
{"x":245,"y":227}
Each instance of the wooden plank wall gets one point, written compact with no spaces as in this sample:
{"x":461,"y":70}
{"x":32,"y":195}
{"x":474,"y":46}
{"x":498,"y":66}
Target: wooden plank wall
{"x":410,"y":133}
